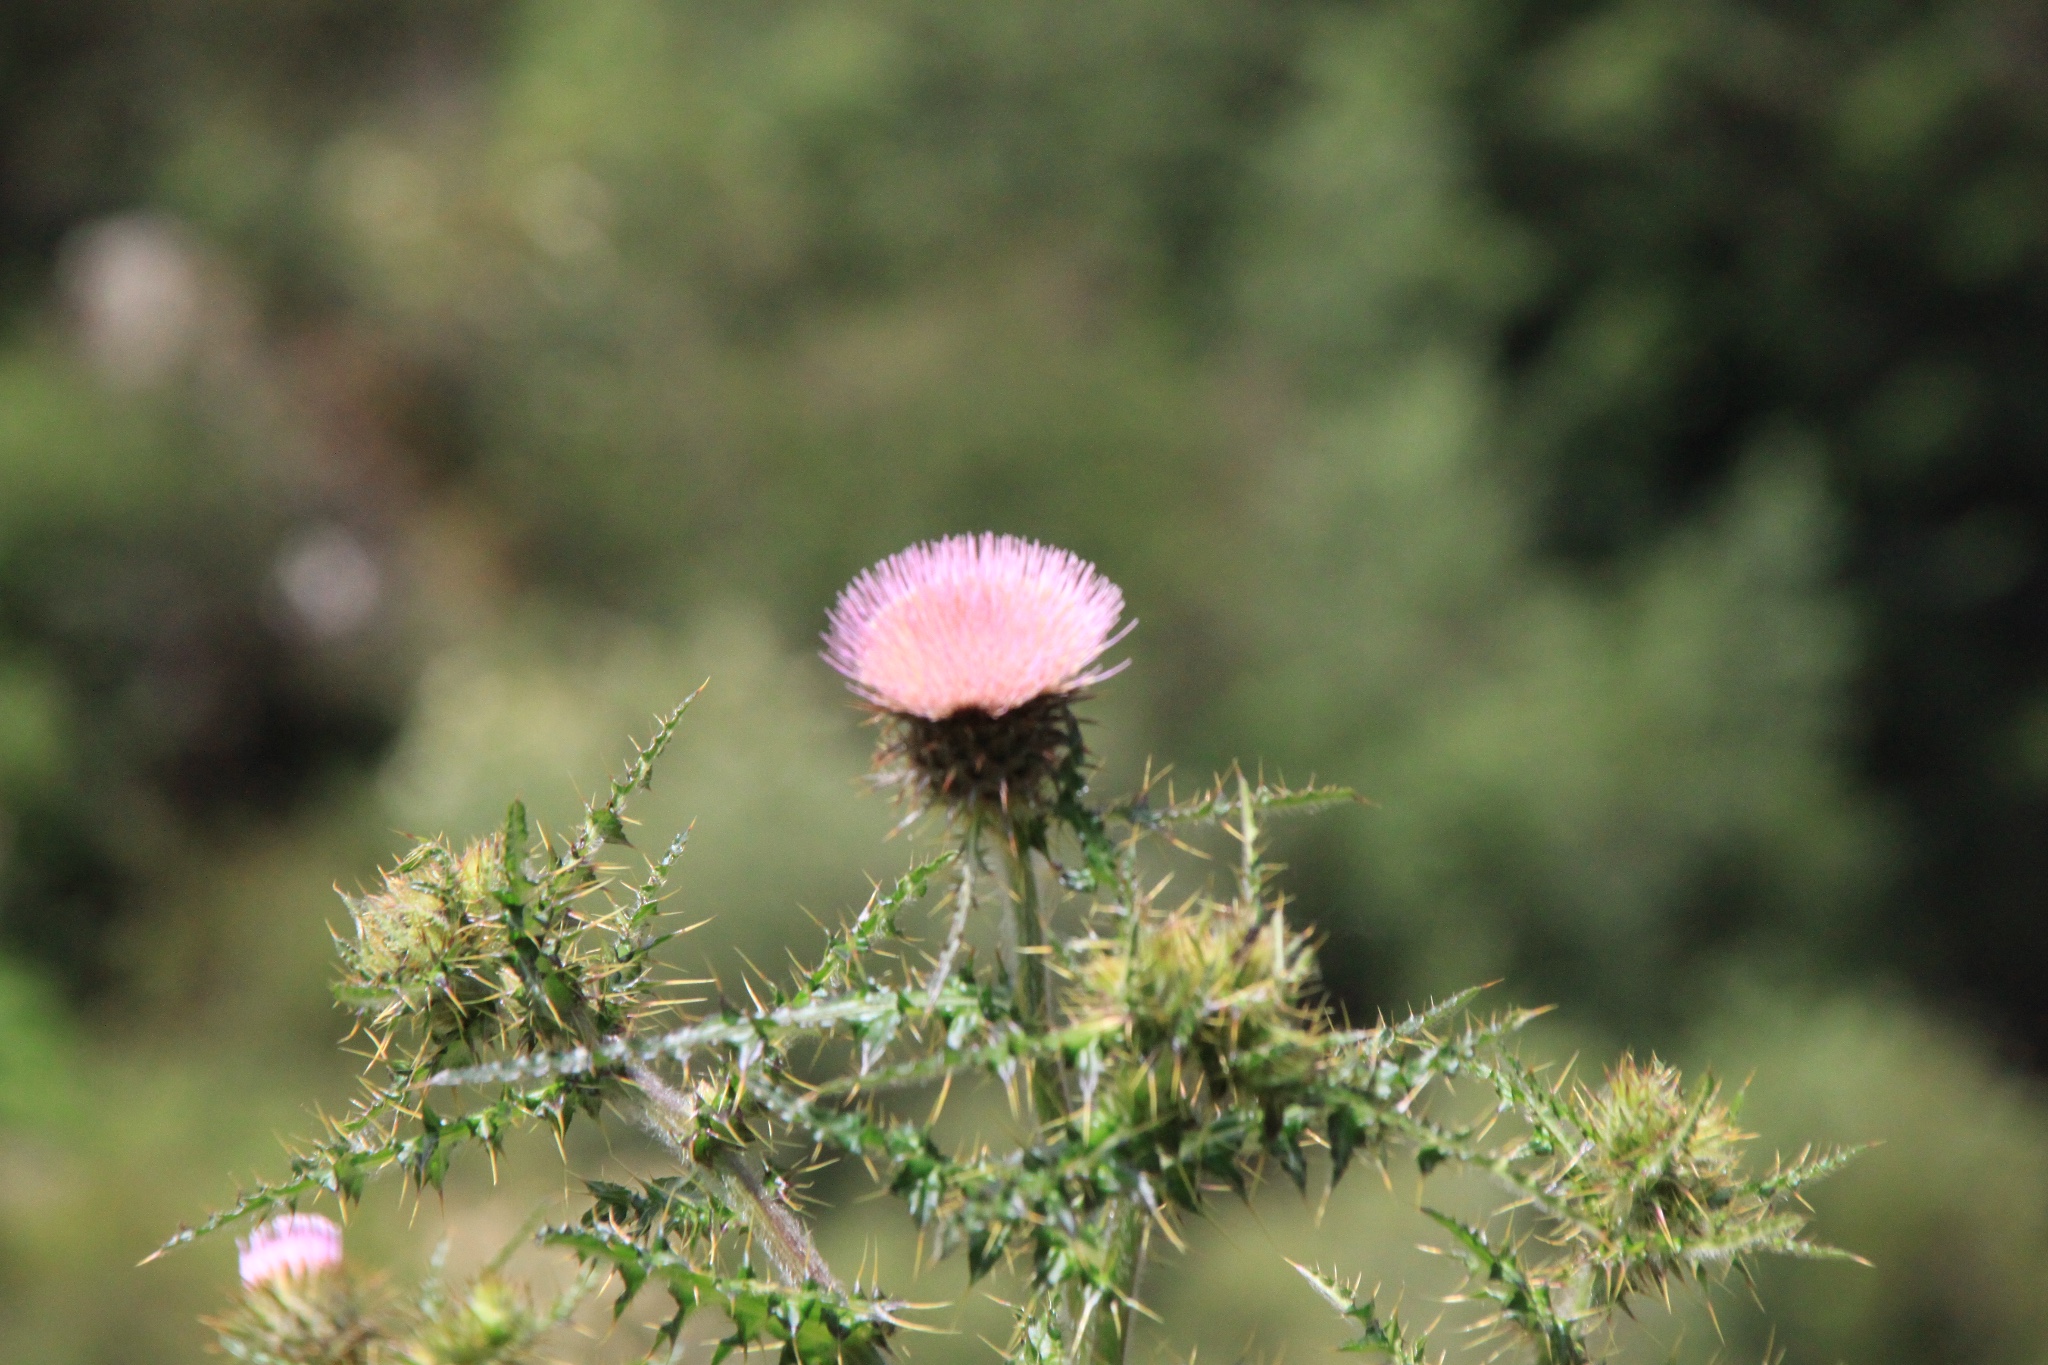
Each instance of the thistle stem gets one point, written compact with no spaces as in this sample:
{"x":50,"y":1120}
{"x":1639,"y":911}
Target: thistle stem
{"x":740,"y":1177}
{"x":773,"y":1222}
{"x":1106,"y":1333}
{"x":1028,"y":972}
{"x":1109,"y":1332}
{"x":1029,"y":967}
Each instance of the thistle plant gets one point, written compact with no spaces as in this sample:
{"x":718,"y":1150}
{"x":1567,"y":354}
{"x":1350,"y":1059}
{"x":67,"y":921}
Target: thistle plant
{"x":1162,"y":1044}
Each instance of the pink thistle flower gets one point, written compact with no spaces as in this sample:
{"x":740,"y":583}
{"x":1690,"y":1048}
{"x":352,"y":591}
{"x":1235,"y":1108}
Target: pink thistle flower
{"x":294,"y":1245}
{"x":981,"y":623}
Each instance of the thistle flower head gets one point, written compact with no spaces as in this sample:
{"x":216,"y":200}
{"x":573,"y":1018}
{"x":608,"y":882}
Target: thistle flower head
{"x":971,"y":649}
{"x":981,"y":623}
{"x":296,"y":1245}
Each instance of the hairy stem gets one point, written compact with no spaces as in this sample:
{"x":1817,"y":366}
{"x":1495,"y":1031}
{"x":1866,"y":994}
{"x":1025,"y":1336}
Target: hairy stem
{"x":774,"y":1223}
{"x":1101,"y":1336}
{"x":1109,"y":1332}
{"x":741,"y":1179}
{"x":1028,"y":972}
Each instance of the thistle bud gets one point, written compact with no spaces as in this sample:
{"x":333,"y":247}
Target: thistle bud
{"x":492,"y":1323}
{"x":400,"y":931}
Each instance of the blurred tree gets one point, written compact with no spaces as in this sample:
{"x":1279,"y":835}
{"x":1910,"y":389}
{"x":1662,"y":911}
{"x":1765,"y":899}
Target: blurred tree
{"x":1830,"y":224}
{"x":1676,"y":246}
{"x":186,"y":471}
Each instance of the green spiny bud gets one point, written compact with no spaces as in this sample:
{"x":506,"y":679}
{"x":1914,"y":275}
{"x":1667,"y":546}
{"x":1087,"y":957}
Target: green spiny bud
{"x":1216,"y":977}
{"x":401,"y":931}
{"x":493,"y":1324}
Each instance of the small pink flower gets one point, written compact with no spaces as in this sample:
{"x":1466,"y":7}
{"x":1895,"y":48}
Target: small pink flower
{"x":984,"y":623}
{"x":296,"y":1244}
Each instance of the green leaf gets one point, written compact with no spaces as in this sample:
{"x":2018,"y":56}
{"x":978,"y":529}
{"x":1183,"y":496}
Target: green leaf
{"x":815,"y":1343}
{"x":1497,"y":1275}
{"x":1345,"y":1131}
{"x":623,"y":1256}
{"x":608,"y":823}
{"x":752,"y":1315}
{"x":985,"y":1246}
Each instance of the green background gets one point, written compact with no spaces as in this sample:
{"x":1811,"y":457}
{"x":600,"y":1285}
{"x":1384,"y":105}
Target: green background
{"x":1613,"y":436}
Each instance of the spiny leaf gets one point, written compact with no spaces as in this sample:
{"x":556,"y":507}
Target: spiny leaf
{"x":1386,"y":1335}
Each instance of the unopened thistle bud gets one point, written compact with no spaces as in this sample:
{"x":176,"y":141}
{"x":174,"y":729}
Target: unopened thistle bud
{"x":972,"y":649}
{"x":291,"y":1247}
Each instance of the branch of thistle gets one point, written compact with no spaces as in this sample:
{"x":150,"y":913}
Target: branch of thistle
{"x":671,"y":1118}
{"x":604,"y":822}
{"x":1387,"y":1335}
{"x":1227,"y":795}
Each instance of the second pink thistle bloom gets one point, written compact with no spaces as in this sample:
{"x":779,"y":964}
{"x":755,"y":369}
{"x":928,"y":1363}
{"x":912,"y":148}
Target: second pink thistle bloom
{"x":973,"y":648}
{"x":293,"y":1246}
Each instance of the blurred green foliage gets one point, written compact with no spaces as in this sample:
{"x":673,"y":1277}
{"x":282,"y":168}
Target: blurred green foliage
{"x":1609,"y":434}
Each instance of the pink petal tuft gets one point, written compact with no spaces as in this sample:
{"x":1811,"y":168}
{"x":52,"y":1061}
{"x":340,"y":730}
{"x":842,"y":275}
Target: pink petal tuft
{"x":296,"y":1244}
{"x":985,"y":622}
